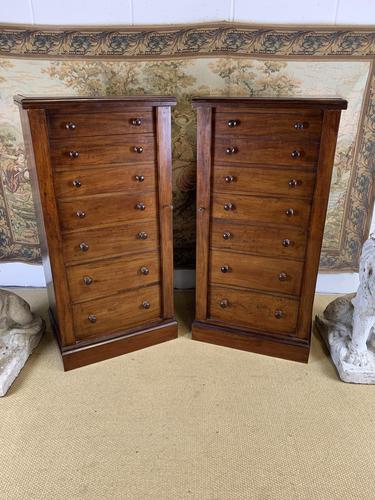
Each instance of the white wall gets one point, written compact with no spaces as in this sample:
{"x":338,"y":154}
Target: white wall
{"x":65,"y":12}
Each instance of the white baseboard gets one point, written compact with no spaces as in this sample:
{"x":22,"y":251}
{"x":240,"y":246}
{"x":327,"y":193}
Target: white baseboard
{"x":27,"y":275}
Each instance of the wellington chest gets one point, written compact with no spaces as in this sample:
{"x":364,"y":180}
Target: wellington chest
{"x":263,"y":180}
{"x":102,"y":184}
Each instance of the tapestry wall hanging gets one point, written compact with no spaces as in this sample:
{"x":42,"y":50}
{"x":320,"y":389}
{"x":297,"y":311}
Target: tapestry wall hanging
{"x":218,"y":59}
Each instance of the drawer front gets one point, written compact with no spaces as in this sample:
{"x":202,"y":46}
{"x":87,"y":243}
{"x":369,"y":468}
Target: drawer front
{"x":267,"y":151}
{"x":259,"y":273}
{"x":274,"y":242}
{"x":109,"y":209}
{"x":106,"y":180}
{"x":302,"y":124}
{"x":261,"y":210}
{"x":88,"y":281}
{"x":253,"y":310}
{"x":67,"y":126}
{"x":119,"y":312}
{"x":107,"y":241}
{"x":279,"y":181}
{"x":94,"y":151}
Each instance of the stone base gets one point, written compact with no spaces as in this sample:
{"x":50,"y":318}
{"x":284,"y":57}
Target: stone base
{"x":15,"y":348}
{"x":337,"y":344}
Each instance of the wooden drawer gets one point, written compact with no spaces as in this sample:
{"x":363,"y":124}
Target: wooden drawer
{"x":302,"y":124}
{"x":296,"y":183}
{"x":117,"y":313}
{"x":83,"y":181}
{"x":270,"y":210}
{"x":94,"y":151}
{"x":106,"y":277}
{"x":259,"y":273}
{"x":107,"y":241}
{"x":107,"y":209}
{"x":268,"y":151}
{"x":68,"y":125}
{"x":253,"y":310}
{"x":272,"y":241}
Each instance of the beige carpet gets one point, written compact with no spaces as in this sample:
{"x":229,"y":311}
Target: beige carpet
{"x":185,"y":420}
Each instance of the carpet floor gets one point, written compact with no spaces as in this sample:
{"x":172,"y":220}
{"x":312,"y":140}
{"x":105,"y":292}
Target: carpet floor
{"x":185,"y":420}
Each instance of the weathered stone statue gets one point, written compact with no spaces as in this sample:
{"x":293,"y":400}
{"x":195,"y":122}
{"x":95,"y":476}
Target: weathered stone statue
{"x":347,"y":324}
{"x":20,"y":333}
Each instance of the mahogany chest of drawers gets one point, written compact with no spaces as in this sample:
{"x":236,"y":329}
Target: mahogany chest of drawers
{"x":102,"y":181}
{"x":263,"y":179}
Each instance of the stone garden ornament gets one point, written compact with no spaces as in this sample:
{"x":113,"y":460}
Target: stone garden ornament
{"x":347,"y":324}
{"x":20,"y":333}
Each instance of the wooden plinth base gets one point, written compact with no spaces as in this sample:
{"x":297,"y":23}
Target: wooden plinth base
{"x":74,"y":357}
{"x":213,"y":334}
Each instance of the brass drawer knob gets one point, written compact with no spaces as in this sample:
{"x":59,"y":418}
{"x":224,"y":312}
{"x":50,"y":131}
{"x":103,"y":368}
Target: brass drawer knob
{"x":83,"y":247}
{"x":146,"y":304}
{"x":227,"y":235}
{"x":92,"y":318}
{"x":229,"y":206}
{"x":299,"y":125}
{"x":293,"y":183}
{"x":233,"y":123}
{"x":283,"y":276}
{"x":70,"y":126}
{"x":138,"y":149}
{"x":224,"y":303}
{"x":201,"y":209}
{"x":225,"y":268}
{"x":81,"y":214}
{"x":230,"y":178}
{"x":73,"y":154}
{"x":144,"y":270}
{"x":289,"y":212}
{"x":140,"y":178}
{"x":296,"y":154}
{"x":279,"y":314}
{"x":231,"y":150}
{"x":142,"y":235}
{"x":286,"y":243}
{"x":77,"y":183}
{"x":140,"y":206}
{"x":136,"y":122}
{"x":87,"y":280}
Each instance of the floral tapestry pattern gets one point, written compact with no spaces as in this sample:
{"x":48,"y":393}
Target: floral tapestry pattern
{"x":184,"y":78}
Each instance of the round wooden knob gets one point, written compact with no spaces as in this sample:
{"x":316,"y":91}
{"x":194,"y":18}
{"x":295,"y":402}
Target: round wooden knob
{"x":296,"y":154}
{"x":225,"y":268}
{"x":138,"y":149}
{"x":80,"y":214}
{"x":83,"y":247}
{"x":283,"y":276}
{"x":73,"y":154}
{"x":299,"y":125}
{"x":201,"y":209}
{"x":229,"y":206}
{"x":87,"y":280}
{"x":293,"y":183}
{"x":231,"y":150}
{"x":136,"y":122}
{"x":140,"y":178}
{"x":233,"y":123}
{"x":289,"y":212}
{"x":286,"y":243}
{"x":224,"y":303}
{"x":77,"y":183}
{"x":140,"y":206}
{"x":146,"y":304}
{"x":227,"y":235}
{"x":144,"y":270}
{"x":142,"y":235}
{"x":92,"y":318}
{"x":70,"y":126}
{"x":229,"y":178}
{"x":278,"y":314}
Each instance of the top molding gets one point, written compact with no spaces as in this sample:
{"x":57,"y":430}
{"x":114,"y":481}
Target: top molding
{"x":272,"y":102}
{"x":213,"y":39}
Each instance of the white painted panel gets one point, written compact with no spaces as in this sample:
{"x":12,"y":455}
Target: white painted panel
{"x":355,"y":12}
{"x":20,"y":274}
{"x":182,"y":11}
{"x":285,"y":11}
{"x":82,"y":12}
{"x":16,"y":11}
